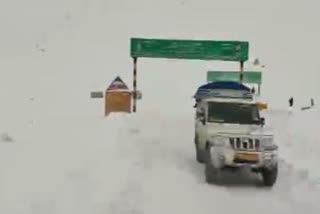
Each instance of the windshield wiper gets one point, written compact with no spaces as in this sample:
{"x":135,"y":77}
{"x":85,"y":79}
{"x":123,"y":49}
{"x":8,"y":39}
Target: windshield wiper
{"x":217,"y":121}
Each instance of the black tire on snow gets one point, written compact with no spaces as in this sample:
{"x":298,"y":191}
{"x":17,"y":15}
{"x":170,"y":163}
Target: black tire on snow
{"x":270,"y":176}
{"x":199,"y":155}
{"x":212,"y":173}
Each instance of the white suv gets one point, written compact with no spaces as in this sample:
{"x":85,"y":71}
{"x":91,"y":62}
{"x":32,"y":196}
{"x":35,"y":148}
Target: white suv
{"x":229,"y":133}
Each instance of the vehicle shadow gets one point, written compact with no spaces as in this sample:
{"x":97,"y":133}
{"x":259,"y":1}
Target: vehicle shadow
{"x":228,"y":178}
{"x":240,"y":178}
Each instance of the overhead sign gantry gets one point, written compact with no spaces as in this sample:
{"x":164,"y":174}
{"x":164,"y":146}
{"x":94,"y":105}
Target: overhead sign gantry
{"x":186,"y":49}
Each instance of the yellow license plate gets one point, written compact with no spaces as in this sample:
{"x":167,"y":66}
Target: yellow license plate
{"x":247,"y":156}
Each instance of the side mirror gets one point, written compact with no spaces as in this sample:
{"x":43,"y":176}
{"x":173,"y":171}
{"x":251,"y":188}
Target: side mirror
{"x":200,"y":114}
{"x":262,"y":121}
{"x":203,"y":120}
{"x":201,"y":117}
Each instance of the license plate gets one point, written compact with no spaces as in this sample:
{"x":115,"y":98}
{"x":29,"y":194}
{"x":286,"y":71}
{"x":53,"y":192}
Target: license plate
{"x":247,"y":156}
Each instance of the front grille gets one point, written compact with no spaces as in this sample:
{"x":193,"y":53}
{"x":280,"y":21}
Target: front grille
{"x":245,"y":161}
{"x":247,"y":144}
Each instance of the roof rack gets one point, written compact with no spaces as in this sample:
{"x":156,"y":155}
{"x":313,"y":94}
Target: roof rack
{"x":224,"y":89}
{"x":224,"y":93}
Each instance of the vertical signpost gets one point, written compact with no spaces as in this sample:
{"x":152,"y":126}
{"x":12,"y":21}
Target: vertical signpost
{"x":241,"y":71}
{"x":134,"y":105}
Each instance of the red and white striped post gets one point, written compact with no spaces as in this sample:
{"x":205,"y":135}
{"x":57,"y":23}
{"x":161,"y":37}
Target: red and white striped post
{"x":134,"y":107}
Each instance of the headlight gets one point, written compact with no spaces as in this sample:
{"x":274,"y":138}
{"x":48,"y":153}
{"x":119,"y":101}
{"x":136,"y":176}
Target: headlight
{"x":267,"y":143}
{"x":220,"y":141}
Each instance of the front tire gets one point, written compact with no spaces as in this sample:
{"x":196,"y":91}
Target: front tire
{"x":199,"y":154}
{"x":212,"y":173}
{"x":270,"y":176}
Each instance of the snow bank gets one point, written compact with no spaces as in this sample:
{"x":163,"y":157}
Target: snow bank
{"x":62,"y":165}
{"x":299,"y":140}
{"x":97,"y":165}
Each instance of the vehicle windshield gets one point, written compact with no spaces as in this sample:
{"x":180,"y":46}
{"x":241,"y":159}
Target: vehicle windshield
{"x":238,"y":113}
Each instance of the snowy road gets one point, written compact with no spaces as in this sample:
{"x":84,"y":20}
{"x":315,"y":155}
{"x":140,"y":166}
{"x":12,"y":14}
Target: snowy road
{"x":123,"y":165}
{"x":171,"y":181}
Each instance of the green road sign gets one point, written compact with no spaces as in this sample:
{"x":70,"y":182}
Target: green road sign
{"x":253,"y":77}
{"x":190,"y":49}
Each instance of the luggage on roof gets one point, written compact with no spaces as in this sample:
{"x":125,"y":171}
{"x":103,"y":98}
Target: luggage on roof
{"x":226,"y":89}
{"x":232,"y":85}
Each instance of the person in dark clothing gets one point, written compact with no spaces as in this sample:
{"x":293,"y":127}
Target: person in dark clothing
{"x":253,"y":90}
{"x":291,"y":102}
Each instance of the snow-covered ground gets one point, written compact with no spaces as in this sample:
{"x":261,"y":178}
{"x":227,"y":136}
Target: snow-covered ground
{"x":59,"y":155}
{"x":121,"y":164}
{"x":297,"y":134}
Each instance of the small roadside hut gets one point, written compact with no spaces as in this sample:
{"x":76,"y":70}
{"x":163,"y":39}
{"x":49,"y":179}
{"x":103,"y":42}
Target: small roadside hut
{"x":117,"y":97}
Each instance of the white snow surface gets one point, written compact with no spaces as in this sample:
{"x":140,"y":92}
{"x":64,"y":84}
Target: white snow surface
{"x":59,"y":155}
{"x":297,"y":133}
{"x":123,"y":164}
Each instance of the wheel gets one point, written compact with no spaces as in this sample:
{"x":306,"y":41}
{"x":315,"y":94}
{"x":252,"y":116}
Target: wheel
{"x":199,"y":154}
{"x":212,"y":173}
{"x":270,"y":175}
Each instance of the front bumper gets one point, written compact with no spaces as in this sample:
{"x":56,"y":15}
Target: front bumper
{"x":228,"y":157}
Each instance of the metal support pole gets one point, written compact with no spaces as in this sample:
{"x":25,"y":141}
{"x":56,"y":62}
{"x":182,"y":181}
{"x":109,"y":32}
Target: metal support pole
{"x":259,"y":89}
{"x":134,"y":107}
{"x":241,"y":71}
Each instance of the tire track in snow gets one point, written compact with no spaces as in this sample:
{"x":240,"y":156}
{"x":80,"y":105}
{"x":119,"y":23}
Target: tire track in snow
{"x":129,"y":199}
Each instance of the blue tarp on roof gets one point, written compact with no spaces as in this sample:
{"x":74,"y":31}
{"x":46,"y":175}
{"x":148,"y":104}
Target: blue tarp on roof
{"x":207,"y":89}
{"x":225,"y":85}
